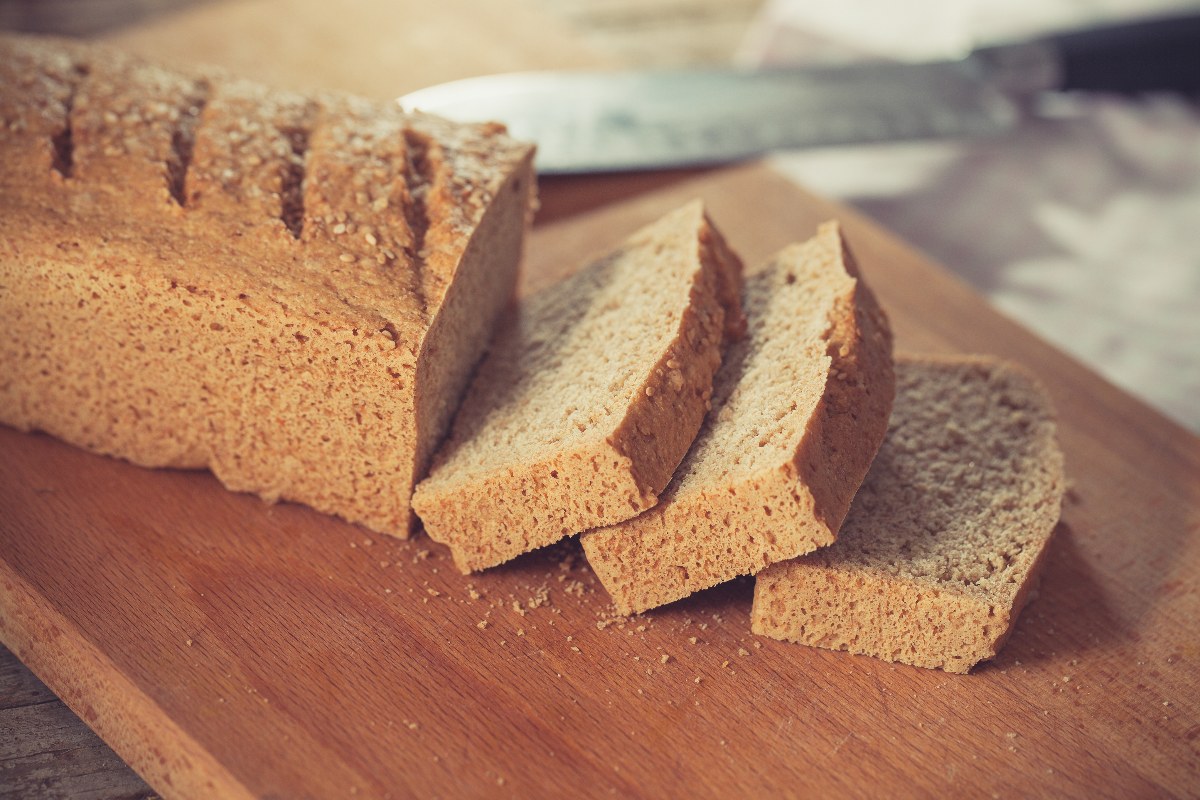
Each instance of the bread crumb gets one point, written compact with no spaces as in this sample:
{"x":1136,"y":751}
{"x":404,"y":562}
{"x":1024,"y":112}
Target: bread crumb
{"x":665,"y":658}
{"x":693,"y":639}
{"x":698,"y":679}
{"x":743,"y":651}
{"x":541,"y":597}
{"x":189,"y":642}
{"x":482,"y":624}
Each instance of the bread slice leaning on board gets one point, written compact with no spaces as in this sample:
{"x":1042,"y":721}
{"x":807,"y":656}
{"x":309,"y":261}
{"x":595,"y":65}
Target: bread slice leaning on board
{"x":290,"y":290}
{"x":589,"y":397}
{"x":943,"y":545}
{"x":800,"y":407}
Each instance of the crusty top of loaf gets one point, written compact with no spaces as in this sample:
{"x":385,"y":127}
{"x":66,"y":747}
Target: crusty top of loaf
{"x":967,"y":484}
{"x":318,"y":201}
{"x":565,"y":368}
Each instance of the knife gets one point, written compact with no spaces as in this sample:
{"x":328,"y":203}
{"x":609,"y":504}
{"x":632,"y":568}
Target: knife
{"x":628,"y":120}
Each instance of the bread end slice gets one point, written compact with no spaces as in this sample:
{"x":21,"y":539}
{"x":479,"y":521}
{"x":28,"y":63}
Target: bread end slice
{"x":800,"y":407}
{"x":591,"y":395}
{"x":943,"y":545}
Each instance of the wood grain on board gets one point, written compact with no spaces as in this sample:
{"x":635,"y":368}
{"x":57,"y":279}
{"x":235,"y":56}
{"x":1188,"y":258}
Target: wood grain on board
{"x":224,"y":645}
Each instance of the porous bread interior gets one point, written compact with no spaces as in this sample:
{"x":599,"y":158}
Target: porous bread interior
{"x":565,"y":368}
{"x":943,"y":539}
{"x":591,"y":394}
{"x":799,"y":408}
{"x":202,"y":272}
{"x":969,"y":461}
{"x":774,"y":378}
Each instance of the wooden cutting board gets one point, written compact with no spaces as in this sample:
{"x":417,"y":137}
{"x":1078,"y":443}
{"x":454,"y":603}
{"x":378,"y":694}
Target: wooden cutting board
{"x":223,"y":646}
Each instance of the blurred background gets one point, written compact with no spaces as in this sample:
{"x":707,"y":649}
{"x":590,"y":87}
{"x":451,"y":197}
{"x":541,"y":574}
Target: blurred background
{"x":1081,"y":223}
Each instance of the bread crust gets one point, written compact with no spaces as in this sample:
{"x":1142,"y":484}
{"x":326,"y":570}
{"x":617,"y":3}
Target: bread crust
{"x":944,"y":545}
{"x":200,"y":272}
{"x":730,"y":511}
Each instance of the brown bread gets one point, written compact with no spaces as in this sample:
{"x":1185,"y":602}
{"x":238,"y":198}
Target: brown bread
{"x":589,"y":398}
{"x":943,"y":543}
{"x":290,"y":290}
{"x":799,"y":409}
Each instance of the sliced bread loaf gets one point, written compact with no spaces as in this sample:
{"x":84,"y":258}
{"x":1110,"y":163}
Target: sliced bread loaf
{"x":799,"y":409}
{"x":942,"y":545}
{"x":291,"y":290}
{"x":589,"y":397}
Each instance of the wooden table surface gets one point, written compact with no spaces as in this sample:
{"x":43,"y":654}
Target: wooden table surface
{"x":1097,"y":694}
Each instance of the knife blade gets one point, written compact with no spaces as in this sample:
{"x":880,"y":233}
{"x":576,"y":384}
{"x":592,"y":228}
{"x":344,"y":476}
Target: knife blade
{"x":627,"y":120}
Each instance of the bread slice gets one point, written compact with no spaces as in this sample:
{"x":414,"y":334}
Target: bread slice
{"x":589,"y":397}
{"x":942,"y":546}
{"x":799,"y":409}
{"x":288,"y":289}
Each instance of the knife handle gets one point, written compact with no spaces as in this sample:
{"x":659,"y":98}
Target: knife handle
{"x":1153,"y":55}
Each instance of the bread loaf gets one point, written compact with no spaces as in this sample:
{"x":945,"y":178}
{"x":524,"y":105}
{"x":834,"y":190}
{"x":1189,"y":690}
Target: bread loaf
{"x":290,"y":290}
{"x":799,"y":409}
{"x":589,"y":397}
{"x":942,"y":545}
